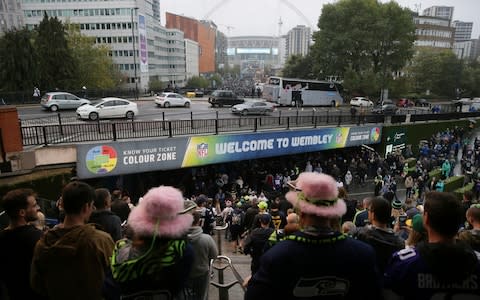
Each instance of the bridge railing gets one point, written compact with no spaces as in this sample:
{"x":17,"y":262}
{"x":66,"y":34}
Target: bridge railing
{"x":62,"y":132}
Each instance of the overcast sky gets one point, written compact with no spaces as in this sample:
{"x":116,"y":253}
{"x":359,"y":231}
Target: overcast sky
{"x":261,"y":17}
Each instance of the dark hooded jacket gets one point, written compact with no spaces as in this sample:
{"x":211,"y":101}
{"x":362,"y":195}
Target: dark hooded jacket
{"x":384,"y":241}
{"x":108,"y":222}
{"x":434,"y":269}
{"x":71,"y":263}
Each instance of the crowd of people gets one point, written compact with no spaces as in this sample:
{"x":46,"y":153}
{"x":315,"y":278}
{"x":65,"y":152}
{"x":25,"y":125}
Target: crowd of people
{"x":244,"y":87}
{"x":305,"y":235}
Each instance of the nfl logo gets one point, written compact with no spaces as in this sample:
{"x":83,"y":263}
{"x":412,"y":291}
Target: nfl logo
{"x":202,"y":150}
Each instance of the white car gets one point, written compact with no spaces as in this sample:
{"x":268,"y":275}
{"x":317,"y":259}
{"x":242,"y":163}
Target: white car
{"x":361,"y":101}
{"x":172,"y":99}
{"x":110,"y":107}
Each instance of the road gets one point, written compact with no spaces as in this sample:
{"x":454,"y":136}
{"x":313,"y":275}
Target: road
{"x":200,"y":109}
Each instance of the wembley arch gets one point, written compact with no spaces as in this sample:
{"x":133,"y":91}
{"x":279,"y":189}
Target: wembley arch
{"x":285,"y":2}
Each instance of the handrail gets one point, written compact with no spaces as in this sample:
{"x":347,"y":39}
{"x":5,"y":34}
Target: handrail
{"x":76,"y":132}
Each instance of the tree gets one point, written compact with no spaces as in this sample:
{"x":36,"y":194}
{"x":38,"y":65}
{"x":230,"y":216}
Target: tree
{"x":470,"y":81}
{"x":155,"y":85}
{"x":216,"y":81}
{"x":94,"y":67}
{"x":362,"y":36}
{"x":196,"y":82}
{"x":18,"y":61}
{"x":438,"y":72}
{"x":298,"y":66}
{"x":56,"y":63}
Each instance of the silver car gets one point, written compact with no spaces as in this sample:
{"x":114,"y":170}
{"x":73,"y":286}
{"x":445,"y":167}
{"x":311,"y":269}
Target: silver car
{"x":252,"y":107}
{"x":60,"y":100}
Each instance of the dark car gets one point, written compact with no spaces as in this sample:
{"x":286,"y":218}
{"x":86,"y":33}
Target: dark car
{"x":422,"y":102}
{"x":386,"y":107}
{"x":224,"y":97}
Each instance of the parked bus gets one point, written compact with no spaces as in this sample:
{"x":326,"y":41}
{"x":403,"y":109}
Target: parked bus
{"x":302,"y":92}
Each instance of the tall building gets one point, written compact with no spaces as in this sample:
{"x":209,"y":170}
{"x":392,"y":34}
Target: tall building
{"x":298,"y":40}
{"x":141,"y":48}
{"x":433,"y":32}
{"x":11,"y":15}
{"x":475,"y":49}
{"x":221,"y":45}
{"x":202,"y":32}
{"x":463,"y":30}
{"x":445,"y":12}
{"x":191,"y":58}
{"x":176,"y":57}
{"x":463,"y":49}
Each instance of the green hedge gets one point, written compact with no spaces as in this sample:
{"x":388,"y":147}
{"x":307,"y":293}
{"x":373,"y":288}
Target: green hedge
{"x":459,"y":192}
{"x":450,"y":184}
{"x":434,"y":173}
{"x":453,"y":183}
{"x":412,"y":165}
{"x":411,"y":162}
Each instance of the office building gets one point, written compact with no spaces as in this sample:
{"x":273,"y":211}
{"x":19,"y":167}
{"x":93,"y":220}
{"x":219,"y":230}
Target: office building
{"x":11,"y":15}
{"x":202,"y":32}
{"x":191,"y":58}
{"x":159,"y":52}
{"x":298,"y":40}
{"x":463,"y":49}
{"x":221,"y":45}
{"x":444,"y":12}
{"x":463,"y":30}
{"x":433,"y":32}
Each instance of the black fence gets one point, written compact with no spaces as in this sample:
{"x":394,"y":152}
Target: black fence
{"x":68,"y":131}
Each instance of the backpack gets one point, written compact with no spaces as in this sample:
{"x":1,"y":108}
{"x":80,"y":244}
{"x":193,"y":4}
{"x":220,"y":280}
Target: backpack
{"x":207,"y":221}
{"x":236,"y":219}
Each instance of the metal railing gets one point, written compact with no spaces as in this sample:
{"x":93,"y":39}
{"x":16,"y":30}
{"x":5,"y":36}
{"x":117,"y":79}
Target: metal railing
{"x":59,"y":130}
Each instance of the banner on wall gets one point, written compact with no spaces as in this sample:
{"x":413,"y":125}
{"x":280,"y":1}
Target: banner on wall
{"x":107,"y":159}
{"x":142,"y":41}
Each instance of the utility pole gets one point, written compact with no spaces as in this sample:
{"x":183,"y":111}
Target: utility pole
{"x":134,"y":54}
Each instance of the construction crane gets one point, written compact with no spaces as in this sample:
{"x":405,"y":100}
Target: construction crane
{"x":280,"y":23}
{"x":228,"y":28}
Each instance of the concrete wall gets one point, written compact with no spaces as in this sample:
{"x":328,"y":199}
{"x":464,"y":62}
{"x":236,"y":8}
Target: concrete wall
{"x":55,"y":155}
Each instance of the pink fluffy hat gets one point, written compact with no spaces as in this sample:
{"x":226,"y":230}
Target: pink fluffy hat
{"x":161,"y":212}
{"x":316,"y":194}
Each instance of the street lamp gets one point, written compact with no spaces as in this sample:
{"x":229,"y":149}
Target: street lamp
{"x":134,"y":54}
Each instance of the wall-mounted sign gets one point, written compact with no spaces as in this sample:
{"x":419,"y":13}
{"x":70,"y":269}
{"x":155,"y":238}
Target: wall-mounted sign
{"x":106,"y":159}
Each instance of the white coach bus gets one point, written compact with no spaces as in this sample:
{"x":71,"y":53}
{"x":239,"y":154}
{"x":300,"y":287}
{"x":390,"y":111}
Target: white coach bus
{"x":302,"y":92}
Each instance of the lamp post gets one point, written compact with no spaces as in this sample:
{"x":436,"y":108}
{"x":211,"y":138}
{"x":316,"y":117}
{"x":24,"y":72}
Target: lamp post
{"x":134,"y":54}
